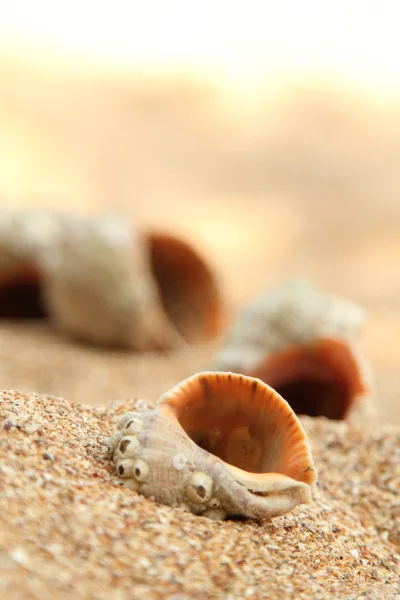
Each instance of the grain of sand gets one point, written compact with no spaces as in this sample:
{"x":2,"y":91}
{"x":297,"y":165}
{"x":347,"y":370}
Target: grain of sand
{"x":70,"y":531}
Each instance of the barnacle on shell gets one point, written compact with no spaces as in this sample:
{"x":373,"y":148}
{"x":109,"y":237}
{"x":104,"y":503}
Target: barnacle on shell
{"x":304,"y":344}
{"x":259,"y":466}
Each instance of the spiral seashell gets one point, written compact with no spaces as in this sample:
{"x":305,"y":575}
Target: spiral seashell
{"x":217,"y":445}
{"x":305,"y":345}
{"x":102,"y":282}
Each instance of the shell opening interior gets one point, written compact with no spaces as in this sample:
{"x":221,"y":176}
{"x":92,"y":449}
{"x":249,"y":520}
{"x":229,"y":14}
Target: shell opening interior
{"x":187,"y":288}
{"x":21,"y":296}
{"x":243,"y":422}
{"x":322,"y":379}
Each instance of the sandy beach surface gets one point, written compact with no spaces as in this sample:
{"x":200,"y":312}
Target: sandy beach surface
{"x":69,"y":531}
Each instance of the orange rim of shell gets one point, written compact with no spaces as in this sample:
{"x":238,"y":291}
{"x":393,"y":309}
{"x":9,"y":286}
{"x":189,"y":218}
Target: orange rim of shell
{"x":323,"y":378}
{"x":243,"y":422}
{"x":188,"y":289}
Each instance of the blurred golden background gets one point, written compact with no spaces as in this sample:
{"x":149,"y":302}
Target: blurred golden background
{"x":268,"y":133}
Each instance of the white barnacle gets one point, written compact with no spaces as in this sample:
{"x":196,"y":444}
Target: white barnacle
{"x":125,"y":418}
{"x":133,"y":426}
{"x":179,"y":462}
{"x":128,"y":446}
{"x":140,"y":469}
{"x":199,"y":487}
{"x":124,"y":468}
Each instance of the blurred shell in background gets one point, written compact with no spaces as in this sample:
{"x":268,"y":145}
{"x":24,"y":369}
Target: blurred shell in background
{"x":217,"y":445}
{"x":103,"y":282}
{"x":305,"y":345}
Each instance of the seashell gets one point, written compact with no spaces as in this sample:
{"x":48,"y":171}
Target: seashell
{"x":102,"y":282}
{"x":25,"y":236}
{"x":305,"y":345}
{"x":218,"y":445}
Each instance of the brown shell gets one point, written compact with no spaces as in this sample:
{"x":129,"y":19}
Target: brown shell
{"x":305,"y":345}
{"x":20,"y":296}
{"x":232,"y":432}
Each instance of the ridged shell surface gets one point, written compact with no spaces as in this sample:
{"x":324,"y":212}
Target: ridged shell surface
{"x":217,"y":444}
{"x":104,"y":282}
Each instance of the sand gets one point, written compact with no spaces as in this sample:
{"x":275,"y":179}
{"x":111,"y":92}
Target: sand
{"x":70,"y":531}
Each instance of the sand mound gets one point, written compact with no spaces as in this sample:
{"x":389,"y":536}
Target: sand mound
{"x":69,"y":531}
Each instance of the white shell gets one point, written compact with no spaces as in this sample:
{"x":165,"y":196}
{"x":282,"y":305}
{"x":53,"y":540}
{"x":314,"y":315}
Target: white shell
{"x":185,"y":467}
{"x":99,"y":289}
{"x":99,"y":283}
